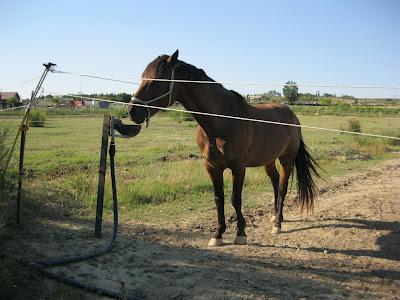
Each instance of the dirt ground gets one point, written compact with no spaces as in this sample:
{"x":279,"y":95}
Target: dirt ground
{"x":349,"y":248}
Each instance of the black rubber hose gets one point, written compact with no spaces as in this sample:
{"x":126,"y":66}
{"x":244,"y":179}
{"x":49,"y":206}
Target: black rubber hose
{"x":44,"y":264}
{"x":78,"y":258}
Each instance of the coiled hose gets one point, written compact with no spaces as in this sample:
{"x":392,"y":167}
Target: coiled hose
{"x":45,"y":264}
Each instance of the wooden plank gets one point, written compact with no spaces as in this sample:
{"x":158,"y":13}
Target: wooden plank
{"x":102,"y":175}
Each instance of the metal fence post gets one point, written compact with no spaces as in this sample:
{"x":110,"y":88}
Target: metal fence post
{"x":102,"y":175}
{"x":23,"y":129}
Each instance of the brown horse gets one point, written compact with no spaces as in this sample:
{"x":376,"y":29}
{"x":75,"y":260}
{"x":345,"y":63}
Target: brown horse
{"x":229,"y":143}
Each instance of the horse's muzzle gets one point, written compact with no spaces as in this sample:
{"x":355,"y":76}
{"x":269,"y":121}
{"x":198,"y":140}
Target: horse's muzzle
{"x":134,"y":115}
{"x":127,"y":130}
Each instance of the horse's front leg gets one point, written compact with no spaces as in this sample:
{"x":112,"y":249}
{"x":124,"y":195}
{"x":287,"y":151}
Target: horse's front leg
{"x":216,"y":175}
{"x":238,"y":178}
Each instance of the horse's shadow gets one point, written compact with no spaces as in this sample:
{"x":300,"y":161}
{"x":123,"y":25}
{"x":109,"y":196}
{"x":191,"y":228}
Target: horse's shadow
{"x":389,"y":244}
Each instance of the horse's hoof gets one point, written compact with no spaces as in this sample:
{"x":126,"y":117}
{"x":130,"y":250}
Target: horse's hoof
{"x":273,"y":219}
{"x":215,"y":242}
{"x":240,"y":240}
{"x":276,"y":230}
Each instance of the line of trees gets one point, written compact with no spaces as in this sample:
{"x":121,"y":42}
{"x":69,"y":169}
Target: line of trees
{"x":291,"y":95}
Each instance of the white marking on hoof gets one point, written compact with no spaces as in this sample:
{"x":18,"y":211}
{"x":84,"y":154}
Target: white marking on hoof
{"x":215,"y":242}
{"x":273,"y":219}
{"x":276,"y":230}
{"x":240,"y":240}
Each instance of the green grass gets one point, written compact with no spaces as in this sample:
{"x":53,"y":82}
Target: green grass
{"x":159,"y":174}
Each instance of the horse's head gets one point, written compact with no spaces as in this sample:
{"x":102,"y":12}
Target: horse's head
{"x":152,"y":92}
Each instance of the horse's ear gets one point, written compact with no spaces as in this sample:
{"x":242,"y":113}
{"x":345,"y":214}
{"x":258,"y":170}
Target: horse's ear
{"x":174,"y":57}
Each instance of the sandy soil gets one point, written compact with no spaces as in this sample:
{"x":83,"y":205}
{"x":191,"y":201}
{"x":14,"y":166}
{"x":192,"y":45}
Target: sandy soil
{"x":349,"y":248}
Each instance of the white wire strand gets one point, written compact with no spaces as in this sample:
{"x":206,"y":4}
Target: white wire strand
{"x":235,"y":118}
{"x":22,"y":83}
{"x":97,"y":77}
{"x":278,"y":84}
{"x":238,"y":82}
{"x":29,"y":80}
{"x":12,"y":108}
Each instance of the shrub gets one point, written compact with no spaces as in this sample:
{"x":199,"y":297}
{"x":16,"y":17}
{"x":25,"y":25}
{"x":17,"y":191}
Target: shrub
{"x":3,"y":149}
{"x":119,"y":112}
{"x":370,"y":145}
{"x":37,"y":118}
{"x":325,"y":101}
{"x":6,"y":182}
{"x":393,"y":142}
{"x":354,"y":125}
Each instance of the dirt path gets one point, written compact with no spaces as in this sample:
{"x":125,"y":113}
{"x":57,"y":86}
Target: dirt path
{"x":349,"y":248}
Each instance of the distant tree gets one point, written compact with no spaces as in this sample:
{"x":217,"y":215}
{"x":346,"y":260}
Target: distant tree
{"x":306,"y":95}
{"x":273,"y":93}
{"x":290,"y":92}
{"x":12,"y":101}
{"x":327,"y":95}
{"x":124,"y":97}
{"x":263,"y":98}
{"x":54,"y":101}
{"x":347,"y":97}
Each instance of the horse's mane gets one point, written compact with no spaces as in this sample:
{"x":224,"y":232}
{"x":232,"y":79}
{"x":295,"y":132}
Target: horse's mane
{"x":157,"y":67}
{"x":194,"y":73}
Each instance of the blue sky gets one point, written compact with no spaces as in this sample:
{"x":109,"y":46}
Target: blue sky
{"x":328,"y":42}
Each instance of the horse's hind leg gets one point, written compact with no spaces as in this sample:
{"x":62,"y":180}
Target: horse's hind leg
{"x":286,"y":171}
{"x":238,"y":178}
{"x":272,"y":172}
{"x":216,"y":175}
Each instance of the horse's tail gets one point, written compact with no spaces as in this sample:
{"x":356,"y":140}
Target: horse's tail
{"x":305,"y":169}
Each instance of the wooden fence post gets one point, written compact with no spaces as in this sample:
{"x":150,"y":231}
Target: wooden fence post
{"x":23,"y":129}
{"x":102,"y":175}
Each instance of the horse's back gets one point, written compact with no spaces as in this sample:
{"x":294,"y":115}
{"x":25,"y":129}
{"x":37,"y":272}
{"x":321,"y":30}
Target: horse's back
{"x":276,"y":112}
{"x":271,"y":141}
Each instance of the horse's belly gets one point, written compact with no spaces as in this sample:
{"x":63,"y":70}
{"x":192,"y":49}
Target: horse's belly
{"x":260,"y":161}
{"x":264,"y":155}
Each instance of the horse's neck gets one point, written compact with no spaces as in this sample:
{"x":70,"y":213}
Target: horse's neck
{"x":213,"y":99}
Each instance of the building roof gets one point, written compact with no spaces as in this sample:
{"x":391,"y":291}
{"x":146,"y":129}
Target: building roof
{"x":8,"y":95}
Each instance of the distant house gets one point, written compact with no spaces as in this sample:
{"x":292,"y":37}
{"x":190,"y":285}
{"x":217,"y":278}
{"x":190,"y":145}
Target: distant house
{"x":75,"y":104}
{"x":91,"y":103}
{"x":6,"y":100}
{"x":103,"y":104}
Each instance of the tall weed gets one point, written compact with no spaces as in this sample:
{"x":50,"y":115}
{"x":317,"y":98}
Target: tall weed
{"x":37,"y":118}
{"x":6,"y":180}
{"x":353,"y":125}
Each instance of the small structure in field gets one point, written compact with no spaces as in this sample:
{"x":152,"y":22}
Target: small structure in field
{"x":83,"y":103}
{"x":76,"y":103}
{"x":9,"y":99}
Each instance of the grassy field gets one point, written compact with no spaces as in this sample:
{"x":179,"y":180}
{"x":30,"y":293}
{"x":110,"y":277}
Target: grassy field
{"x":160,"y":175}
{"x":160,"y":178}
